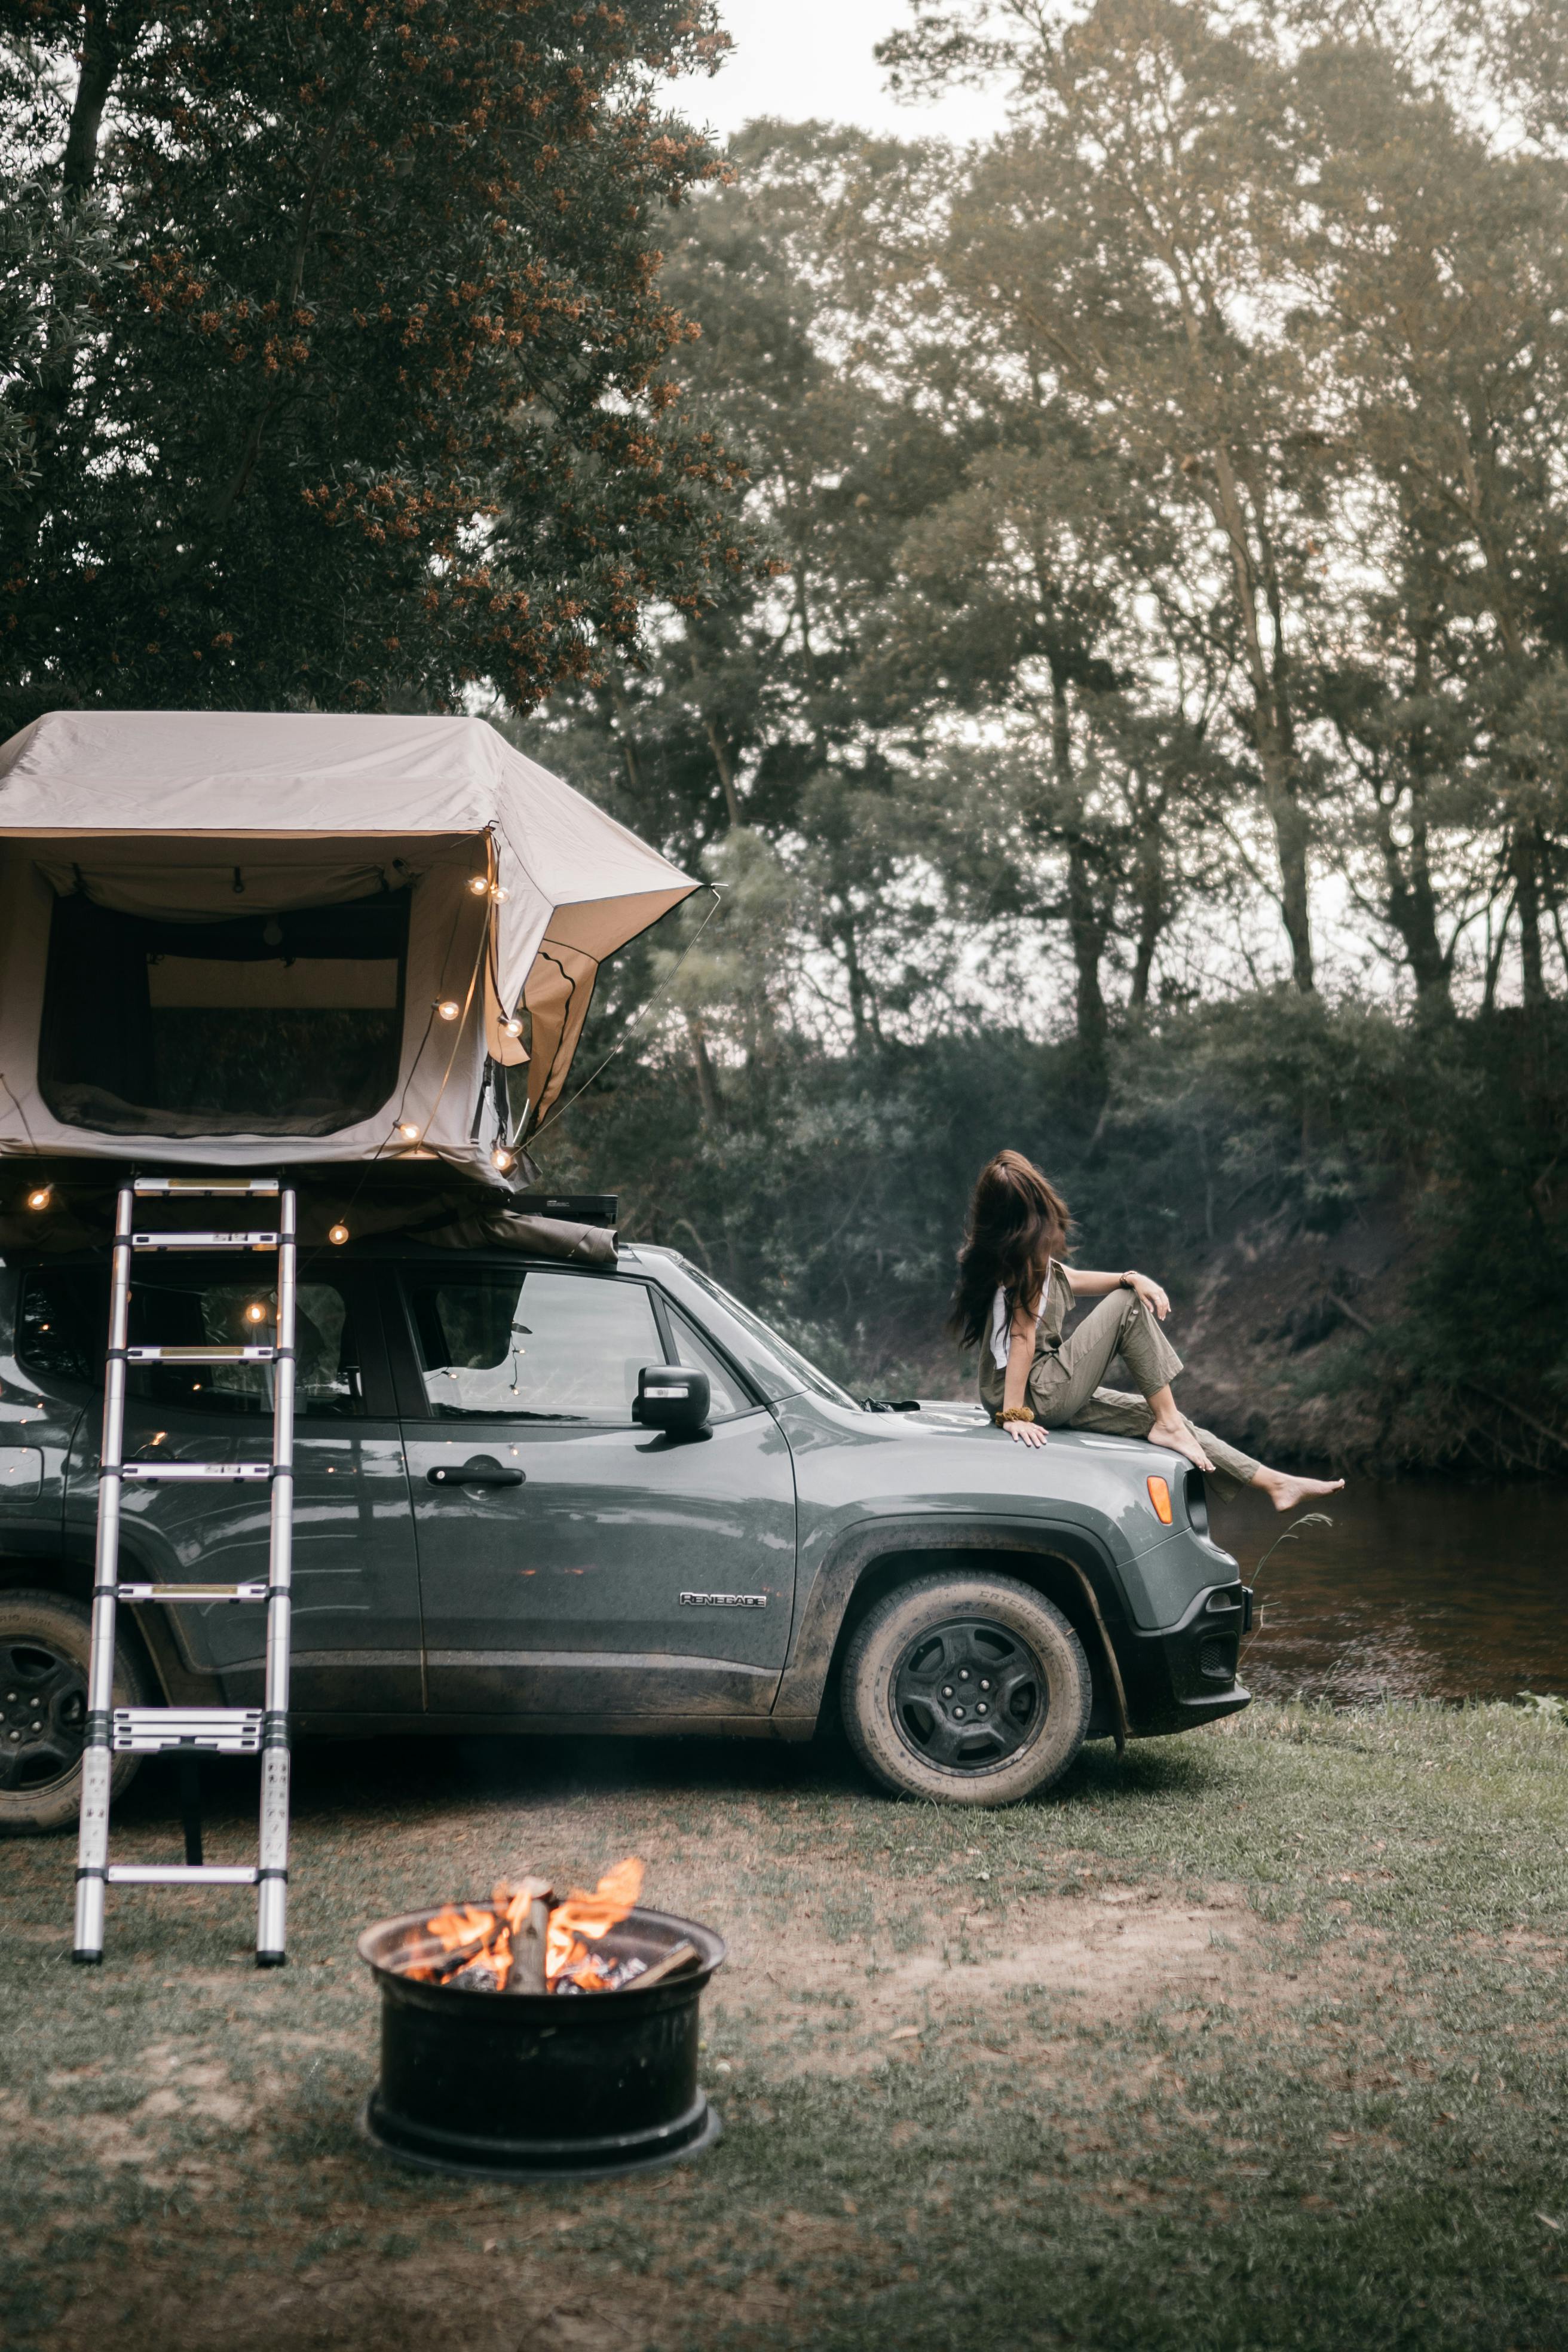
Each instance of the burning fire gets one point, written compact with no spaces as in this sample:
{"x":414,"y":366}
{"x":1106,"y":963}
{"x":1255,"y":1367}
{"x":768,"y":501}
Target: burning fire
{"x":492,"y":1940}
{"x":591,"y":1917}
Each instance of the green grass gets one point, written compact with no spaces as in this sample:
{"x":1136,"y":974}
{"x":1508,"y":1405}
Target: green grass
{"x":1349,"y":2136}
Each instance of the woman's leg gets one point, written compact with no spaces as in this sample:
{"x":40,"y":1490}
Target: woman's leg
{"x":1117,"y":1412}
{"x":1060,"y":1390}
{"x":1067,"y":1394}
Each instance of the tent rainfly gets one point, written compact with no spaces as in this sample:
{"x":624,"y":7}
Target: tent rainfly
{"x":237,"y":939}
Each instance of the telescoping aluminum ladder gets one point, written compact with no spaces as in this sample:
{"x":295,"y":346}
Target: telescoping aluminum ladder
{"x":224,"y":1730}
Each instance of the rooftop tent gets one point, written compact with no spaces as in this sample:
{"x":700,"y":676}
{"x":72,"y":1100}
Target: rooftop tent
{"x":235,"y":939}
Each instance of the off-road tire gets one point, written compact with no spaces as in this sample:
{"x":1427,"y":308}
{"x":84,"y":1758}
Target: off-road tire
{"x":972,"y":1617}
{"x":43,"y":1638}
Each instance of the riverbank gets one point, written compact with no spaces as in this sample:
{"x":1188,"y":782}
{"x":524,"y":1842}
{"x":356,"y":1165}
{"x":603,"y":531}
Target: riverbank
{"x":1255,"y":2038}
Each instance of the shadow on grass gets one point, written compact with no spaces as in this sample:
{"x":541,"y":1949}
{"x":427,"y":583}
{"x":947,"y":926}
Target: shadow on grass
{"x":346,"y":1780}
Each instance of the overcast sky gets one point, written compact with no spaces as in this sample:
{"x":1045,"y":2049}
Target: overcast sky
{"x":798,"y":59}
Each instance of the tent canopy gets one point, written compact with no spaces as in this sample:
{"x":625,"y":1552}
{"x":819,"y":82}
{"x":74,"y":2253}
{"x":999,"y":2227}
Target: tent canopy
{"x":500,"y":891}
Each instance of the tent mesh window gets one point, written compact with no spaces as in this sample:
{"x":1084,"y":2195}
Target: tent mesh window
{"x":288,"y":1023}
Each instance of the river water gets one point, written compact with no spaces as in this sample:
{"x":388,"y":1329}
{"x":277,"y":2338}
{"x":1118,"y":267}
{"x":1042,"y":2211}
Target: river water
{"x":1434,"y":1588}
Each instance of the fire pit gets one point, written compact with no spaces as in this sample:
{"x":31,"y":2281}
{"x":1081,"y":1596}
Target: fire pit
{"x":596,"y":2075}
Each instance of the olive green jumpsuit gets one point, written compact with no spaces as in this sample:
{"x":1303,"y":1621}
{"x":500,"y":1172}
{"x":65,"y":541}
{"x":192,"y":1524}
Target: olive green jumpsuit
{"x":1064,"y":1389}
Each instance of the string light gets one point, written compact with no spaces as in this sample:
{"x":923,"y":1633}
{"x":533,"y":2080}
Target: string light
{"x":409,"y":1131}
{"x":41,"y":1198}
{"x":502,"y":1159}
{"x":480,"y":884}
{"x":337,"y":1234}
{"x":497,"y":894}
{"x":448,"y":1008}
{"x":256,"y":1313}
{"x":512,"y":1028}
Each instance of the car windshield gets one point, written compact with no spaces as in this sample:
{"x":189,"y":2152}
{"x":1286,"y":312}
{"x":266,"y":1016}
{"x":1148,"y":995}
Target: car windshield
{"x":797,"y":1363}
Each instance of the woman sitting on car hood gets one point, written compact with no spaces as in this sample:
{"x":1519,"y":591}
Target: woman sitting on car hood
{"x":1014,"y":1291}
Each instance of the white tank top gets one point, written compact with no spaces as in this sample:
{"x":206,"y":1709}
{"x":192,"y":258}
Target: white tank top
{"x":1001,"y":1338}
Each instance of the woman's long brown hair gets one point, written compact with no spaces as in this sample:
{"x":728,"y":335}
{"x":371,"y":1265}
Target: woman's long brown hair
{"x":1017,"y":1222}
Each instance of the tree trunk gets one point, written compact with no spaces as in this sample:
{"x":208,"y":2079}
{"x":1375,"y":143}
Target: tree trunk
{"x":1149,"y":889}
{"x":1526,"y":861}
{"x":95,"y":79}
{"x":707,"y":1082}
{"x":1411,"y":904}
{"x":1088,"y":933}
{"x":622,"y":722}
{"x":862,"y":998}
{"x":99,"y":59}
{"x":1087,"y":924}
{"x":726,"y":771}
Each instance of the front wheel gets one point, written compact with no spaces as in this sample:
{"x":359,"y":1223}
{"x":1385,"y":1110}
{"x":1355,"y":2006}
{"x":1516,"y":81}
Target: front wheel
{"x":45,"y":1640}
{"x":972,"y":1690}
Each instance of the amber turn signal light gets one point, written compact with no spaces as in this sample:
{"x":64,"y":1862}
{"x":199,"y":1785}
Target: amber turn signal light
{"x":1160,"y":1496}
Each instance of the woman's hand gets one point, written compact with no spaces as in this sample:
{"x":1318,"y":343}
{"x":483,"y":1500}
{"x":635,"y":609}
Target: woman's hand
{"x":1027,"y":1432}
{"x":1149,"y":1292}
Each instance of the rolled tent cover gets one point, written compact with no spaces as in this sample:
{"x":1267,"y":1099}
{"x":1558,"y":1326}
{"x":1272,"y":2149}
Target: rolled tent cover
{"x":242,"y":937}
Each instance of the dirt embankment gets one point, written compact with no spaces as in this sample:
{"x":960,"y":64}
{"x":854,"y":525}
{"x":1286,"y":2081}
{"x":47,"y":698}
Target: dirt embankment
{"x":1270,"y":1341}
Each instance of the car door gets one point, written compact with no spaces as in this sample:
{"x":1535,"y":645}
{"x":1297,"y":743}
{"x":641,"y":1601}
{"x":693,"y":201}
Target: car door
{"x":589,"y":1567}
{"x":357,"y":1633}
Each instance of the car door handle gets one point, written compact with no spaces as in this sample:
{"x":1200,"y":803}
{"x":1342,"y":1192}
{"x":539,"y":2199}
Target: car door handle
{"x":480,"y":1471}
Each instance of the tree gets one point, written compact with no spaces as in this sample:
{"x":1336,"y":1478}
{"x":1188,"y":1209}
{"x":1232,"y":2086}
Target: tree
{"x":761,"y":711}
{"x":1110,"y":246}
{"x":363,"y":392}
{"x":1432,"y":269}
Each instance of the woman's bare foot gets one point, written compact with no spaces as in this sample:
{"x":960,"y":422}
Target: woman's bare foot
{"x":1179,"y":1439}
{"x":1285,"y":1492}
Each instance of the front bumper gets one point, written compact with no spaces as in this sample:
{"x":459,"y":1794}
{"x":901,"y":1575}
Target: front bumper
{"x":1185,"y":1673}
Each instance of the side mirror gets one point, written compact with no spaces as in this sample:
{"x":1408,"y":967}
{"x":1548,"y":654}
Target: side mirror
{"x":672,"y":1398}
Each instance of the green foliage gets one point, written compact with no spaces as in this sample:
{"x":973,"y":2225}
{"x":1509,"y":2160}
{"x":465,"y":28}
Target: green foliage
{"x":334,"y":364}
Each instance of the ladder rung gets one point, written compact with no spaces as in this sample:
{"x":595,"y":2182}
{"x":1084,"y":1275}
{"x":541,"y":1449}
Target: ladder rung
{"x":149,"y":1188}
{"x":252,"y":1240}
{"x":228,"y":1730}
{"x":182,"y":1873}
{"x":235,"y":1355}
{"x":191,"y":1592}
{"x":191,"y":1471}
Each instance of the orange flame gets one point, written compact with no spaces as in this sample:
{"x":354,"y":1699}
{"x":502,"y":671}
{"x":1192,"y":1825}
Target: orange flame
{"x":580,"y":1920}
{"x":590,"y":1917}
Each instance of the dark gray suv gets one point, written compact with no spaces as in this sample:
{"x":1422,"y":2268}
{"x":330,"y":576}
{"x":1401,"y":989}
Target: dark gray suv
{"x":494,"y":1532}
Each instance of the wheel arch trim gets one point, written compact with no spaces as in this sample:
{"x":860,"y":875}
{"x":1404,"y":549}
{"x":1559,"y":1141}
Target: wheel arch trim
{"x":817,"y":1642}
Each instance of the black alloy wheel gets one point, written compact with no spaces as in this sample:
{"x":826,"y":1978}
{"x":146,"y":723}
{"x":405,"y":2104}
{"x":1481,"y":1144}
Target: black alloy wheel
{"x":46,"y":1640}
{"x":43,"y":1714}
{"x":966,"y":1687}
{"x":968,"y":1694}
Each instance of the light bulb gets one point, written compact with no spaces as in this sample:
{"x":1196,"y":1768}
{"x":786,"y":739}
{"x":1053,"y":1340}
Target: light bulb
{"x":338,"y":1234}
{"x":256,"y":1313}
{"x":502,"y":1159}
{"x":448,"y":1008}
{"x":409,"y":1131}
{"x":497,"y":894}
{"x":41,"y":1198}
{"x":512,"y":1028}
{"x":479,"y":883}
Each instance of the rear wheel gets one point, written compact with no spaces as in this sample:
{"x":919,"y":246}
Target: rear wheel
{"x":43,"y":1644}
{"x":972,"y":1690}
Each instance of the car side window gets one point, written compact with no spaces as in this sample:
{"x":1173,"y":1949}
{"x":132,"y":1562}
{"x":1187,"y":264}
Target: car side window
{"x":533,"y":1346}
{"x":727,"y":1396}
{"x":169,"y":1310}
{"x":62,"y":1323}
{"x":63,"y":1330}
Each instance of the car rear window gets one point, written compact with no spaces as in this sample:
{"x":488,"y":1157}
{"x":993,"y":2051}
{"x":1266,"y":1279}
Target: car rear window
{"x":63,"y":1331}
